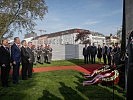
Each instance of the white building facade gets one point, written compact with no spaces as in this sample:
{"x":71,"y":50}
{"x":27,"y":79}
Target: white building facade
{"x":63,"y":39}
{"x":68,"y":37}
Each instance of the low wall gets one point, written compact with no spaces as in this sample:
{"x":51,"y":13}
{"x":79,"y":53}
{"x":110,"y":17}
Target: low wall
{"x":67,"y":51}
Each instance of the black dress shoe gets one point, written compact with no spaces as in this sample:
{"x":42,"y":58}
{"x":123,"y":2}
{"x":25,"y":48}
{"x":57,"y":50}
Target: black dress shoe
{"x":15,"y":82}
{"x":24,"y":78}
{"x":49,"y":63}
{"x":8,"y":85}
{"x":29,"y":76}
{"x":5,"y":86}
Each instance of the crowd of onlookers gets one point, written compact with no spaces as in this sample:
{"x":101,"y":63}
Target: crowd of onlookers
{"x":109,"y":53}
{"x":26,"y":54}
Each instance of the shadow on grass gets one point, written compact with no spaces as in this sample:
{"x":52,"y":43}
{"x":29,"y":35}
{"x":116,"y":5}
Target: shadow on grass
{"x":17,"y":91}
{"x":12,"y":96}
{"x":68,"y":93}
{"x":97,"y":91}
{"x":48,"y":96}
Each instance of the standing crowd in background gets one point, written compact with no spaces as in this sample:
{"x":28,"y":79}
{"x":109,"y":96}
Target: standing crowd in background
{"x":26,"y":54}
{"x":109,"y":53}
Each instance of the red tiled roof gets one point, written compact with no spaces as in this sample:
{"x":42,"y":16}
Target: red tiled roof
{"x":70,"y":31}
{"x":113,"y":37}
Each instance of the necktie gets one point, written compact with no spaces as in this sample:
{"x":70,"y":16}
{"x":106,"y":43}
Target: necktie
{"x":7,"y":48}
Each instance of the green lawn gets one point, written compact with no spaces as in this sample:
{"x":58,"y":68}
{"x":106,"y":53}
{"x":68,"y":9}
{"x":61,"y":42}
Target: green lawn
{"x":57,"y":85}
{"x":71,"y":62}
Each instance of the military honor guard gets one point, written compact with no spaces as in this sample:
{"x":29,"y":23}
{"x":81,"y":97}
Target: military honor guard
{"x":49,"y":53}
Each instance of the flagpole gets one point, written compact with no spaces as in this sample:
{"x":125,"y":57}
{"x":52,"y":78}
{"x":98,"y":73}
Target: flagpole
{"x":123,"y":49}
{"x":123,"y":43}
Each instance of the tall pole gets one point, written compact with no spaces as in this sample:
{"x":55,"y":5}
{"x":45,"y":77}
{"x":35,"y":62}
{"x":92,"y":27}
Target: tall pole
{"x":123,"y":43}
{"x":123,"y":49}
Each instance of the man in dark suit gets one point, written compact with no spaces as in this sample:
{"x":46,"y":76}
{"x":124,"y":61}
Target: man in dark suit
{"x":25,"y":59}
{"x":85,"y":54}
{"x":93,"y":53}
{"x":31,"y":59}
{"x":104,"y":53}
{"x":116,"y":55}
{"x":109,"y":51}
{"x":5,"y":62}
{"x":89,"y":52}
{"x":16,"y":58}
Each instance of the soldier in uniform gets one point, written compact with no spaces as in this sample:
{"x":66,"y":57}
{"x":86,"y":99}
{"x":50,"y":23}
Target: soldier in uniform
{"x":49,"y":53}
{"x":45,"y":54}
{"x":35,"y":54}
{"x":42,"y":54}
{"x":39,"y":54}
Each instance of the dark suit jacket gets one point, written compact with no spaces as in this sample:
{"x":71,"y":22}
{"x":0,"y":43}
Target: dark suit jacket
{"x":15,"y":53}
{"x":31,"y":54}
{"x":24,"y":55}
{"x":4,"y":56}
{"x":104,"y":50}
{"x":93,"y":50}
{"x":85,"y":51}
{"x":89,"y":49}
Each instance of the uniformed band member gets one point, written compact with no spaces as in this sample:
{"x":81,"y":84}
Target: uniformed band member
{"x":35,"y":54}
{"x":45,"y":54}
{"x":38,"y":54}
{"x":42,"y":54}
{"x":49,"y":51}
{"x":5,"y":62}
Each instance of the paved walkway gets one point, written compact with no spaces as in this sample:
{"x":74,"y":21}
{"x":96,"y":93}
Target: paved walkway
{"x":81,"y":68}
{"x":89,"y":68}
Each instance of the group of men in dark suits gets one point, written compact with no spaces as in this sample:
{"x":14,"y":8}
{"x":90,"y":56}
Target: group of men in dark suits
{"x":108,"y":53}
{"x":27,"y":58}
{"x":12,"y":57}
{"x":89,"y":52}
